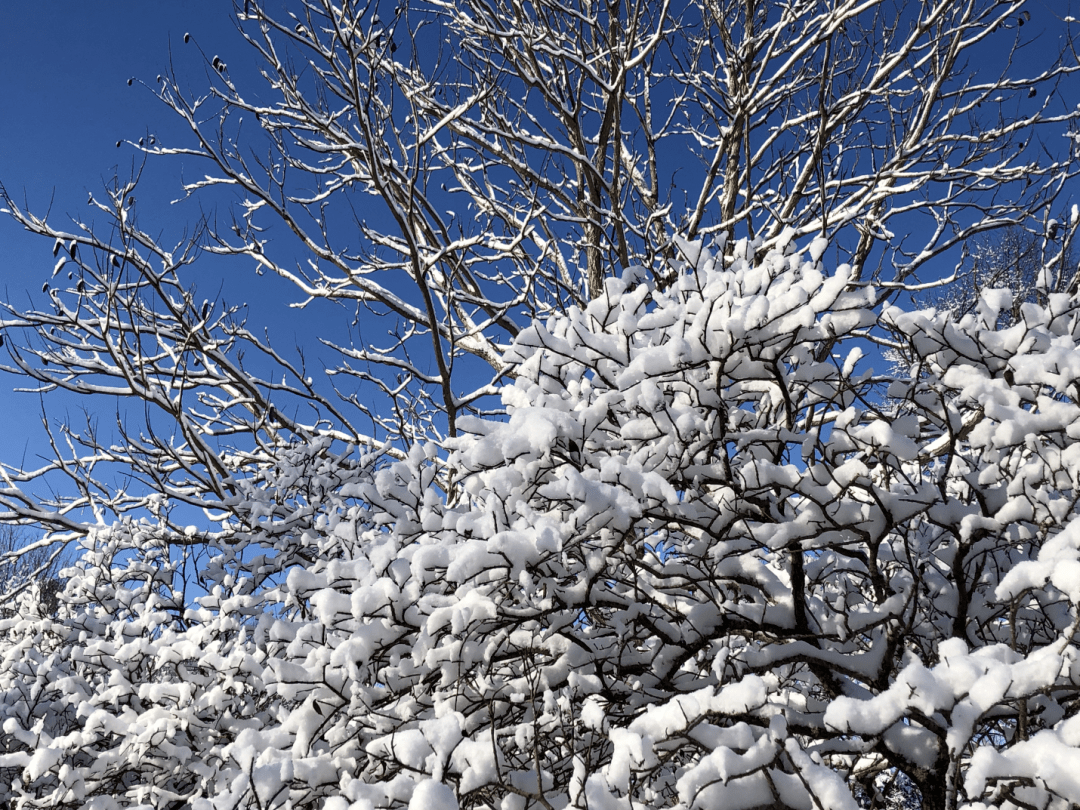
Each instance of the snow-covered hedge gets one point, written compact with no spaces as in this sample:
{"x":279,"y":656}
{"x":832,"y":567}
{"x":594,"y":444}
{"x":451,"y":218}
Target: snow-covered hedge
{"x":714,"y":557}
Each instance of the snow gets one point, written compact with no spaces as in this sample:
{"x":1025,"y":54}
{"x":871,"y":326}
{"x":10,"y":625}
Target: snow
{"x":697,"y":564}
{"x":432,"y":795}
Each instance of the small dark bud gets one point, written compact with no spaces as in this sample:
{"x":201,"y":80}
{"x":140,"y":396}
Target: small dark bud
{"x":81,"y":286}
{"x":130,"y":81}
{"x":187,"y":38}
{"x":393,"y":46}
{"x":115,"y":262}
{"x":130,"y":201}
{"x":72,"y":249}
{"x":1,"y":341}
{"x":56,"y":248}
{"x":45,"y":287}
{"x":159,"y":78}
{"x":1032,"y":93}
{"x":140,"y":141}
{"x":118,"y":144}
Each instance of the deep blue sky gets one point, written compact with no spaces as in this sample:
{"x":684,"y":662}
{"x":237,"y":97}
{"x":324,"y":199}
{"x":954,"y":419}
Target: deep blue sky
{"x":65,"y":101}
{"x":64,"y":68}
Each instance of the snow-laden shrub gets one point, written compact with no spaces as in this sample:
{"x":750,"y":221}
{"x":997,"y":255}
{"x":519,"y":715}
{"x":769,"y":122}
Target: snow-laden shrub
{"x":710,"y":559}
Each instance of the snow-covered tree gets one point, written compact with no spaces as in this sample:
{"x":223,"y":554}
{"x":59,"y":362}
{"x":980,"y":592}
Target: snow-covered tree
{"x":29,"y":570}
{"x":1031,"y":265}
{"x":696,"y":566}
{"x":621,"y":514}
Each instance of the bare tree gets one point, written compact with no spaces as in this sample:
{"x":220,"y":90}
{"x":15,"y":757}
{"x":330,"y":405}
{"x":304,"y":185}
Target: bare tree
{"x":507,"y":157}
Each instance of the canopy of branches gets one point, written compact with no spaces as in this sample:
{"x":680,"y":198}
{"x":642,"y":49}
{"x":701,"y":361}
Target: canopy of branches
{"x":628,"y":509}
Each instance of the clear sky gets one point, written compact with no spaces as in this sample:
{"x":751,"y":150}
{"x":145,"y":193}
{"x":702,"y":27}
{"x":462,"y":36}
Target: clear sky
{"x":65,"y":101}
{"x":64,"y":67}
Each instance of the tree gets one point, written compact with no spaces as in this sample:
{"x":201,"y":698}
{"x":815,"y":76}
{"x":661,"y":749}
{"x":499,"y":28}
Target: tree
{"x":701,"y":555}
{"x":33,"y":568}
{"x":695,"y":567}
{"x":1030,"y":265}
{"x":553,"y":130}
